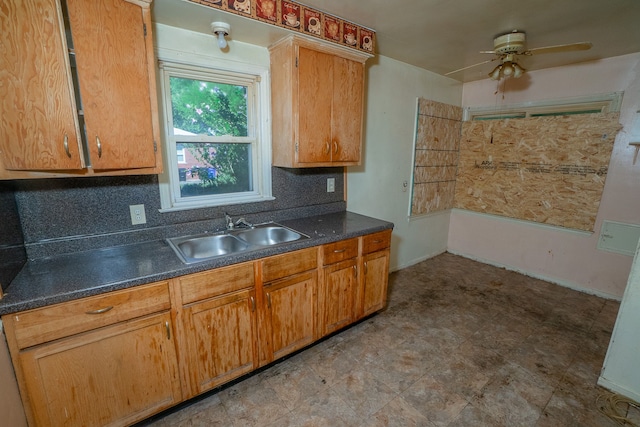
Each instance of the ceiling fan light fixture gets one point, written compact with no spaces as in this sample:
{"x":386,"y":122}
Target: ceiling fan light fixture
{"x":506,"y":69}
{"x":495,"y":74}
{"x":517,"y":70}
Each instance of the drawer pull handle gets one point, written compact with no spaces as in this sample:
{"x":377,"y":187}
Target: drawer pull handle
{"x":100,"y":311}
{"x":335,"y":147}
{"x":366,"y":268}
{"x":253,"y":304}
{"x":327,"y":147}
{"x":166,"y":325}
{"x":377,"y":241}
{"x":355,"y":271}
{"x":99,"y":144}
{"x":65,"y":143}
{"x":269,"y":300}
{"x":338,"y":251}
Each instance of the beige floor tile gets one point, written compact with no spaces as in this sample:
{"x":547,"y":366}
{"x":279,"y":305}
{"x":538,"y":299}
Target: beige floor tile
{"x":460,"y":343}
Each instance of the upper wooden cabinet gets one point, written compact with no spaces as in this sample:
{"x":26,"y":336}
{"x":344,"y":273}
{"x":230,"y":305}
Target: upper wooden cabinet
{"x":112,"y":95}
{"x":317,"y":94}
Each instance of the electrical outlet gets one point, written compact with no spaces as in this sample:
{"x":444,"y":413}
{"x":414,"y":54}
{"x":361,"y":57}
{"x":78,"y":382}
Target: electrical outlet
{"x":137,"y":214}
{"x":331,"y":185}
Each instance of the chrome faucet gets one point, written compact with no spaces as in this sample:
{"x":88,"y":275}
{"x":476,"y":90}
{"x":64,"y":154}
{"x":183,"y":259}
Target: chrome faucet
{"x":244,"y":222}
{"x":231,"y":225}
{"x":228,"y":221}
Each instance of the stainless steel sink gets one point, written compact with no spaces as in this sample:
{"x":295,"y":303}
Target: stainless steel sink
{"x":267,"y":236}
{"x":198,"y":248}
{"x":203,"y":247}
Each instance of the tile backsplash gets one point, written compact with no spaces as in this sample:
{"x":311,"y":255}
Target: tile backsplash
{"x":12,"y":251}
{"x":68,"y":215}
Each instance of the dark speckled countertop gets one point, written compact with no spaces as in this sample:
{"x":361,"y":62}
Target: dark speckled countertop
{"x":66,"y":277}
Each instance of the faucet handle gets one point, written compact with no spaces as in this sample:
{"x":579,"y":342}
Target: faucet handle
{"x":228,"y":221}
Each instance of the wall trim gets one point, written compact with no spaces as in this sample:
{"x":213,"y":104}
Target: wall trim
{"x":416,"y":261}
{"x":618,"y":389}
{"x":554,"y":228}
{"x":546,"y":278}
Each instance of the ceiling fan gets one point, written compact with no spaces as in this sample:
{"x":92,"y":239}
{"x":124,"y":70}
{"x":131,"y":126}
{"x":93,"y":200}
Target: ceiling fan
{"x":507,"y":47}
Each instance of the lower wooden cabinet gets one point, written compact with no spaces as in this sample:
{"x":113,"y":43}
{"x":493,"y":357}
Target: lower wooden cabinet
{"x":372,"y":295}
{"x":289,"y":286}
{"x":375,"y":273}
{"x":220,"y":334}
{"x":290,"y":315}
{"x":110,"y":376}
{"x":120,"y":357}
{"x":339,"y":285}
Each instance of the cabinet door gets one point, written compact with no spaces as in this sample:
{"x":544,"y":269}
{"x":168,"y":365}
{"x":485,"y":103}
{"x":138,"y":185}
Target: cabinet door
{"x":291,"y":314}
{"x":38,"y":125}
{"x":111,"y":56}
{"x":346,"y":118}
{"x":315,"y":97}
{"x":375,"y":278}
{"x":110,"y":376}
{"x":221,"y":337}
{"x":338,"y":295}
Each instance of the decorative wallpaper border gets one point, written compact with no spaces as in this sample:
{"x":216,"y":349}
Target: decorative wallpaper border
{"x":301,"y":19}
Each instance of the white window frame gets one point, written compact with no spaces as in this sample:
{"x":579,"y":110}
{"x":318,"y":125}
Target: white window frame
{"x":259,"y":133}
{"x":604,"y":103}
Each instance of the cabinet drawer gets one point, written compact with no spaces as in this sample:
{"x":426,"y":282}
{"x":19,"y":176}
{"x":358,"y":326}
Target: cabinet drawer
{"x":49,"y":323}
{"x":199,"y":286}
{"x":376,"y":242}
{"x":284,"y":265}
{"x":339,"y":251}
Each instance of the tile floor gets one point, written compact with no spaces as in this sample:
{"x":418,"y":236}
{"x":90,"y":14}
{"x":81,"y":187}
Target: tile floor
{"x":460,"y":344}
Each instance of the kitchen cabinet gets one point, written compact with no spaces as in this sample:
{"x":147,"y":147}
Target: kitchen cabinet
{"x":289,"y":293}
{"x":122,"y":356}
{"x":218,"y":325}
{"x":338,"y":286}
{"x":375,"y":273}
{"x":99,"y":77}
{"x":105,"y":360}
{"x":317,"y":104}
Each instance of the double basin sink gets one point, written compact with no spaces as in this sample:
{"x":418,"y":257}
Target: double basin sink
{"x":203,"y":247}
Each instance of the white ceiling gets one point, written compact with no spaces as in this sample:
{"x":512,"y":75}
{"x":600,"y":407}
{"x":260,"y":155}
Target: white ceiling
{"x":444,"y":35}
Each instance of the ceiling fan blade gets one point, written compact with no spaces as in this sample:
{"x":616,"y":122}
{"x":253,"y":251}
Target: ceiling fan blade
{"x":559,"y":48}
{"x":489,"y":51}
{"x":471,"y":66}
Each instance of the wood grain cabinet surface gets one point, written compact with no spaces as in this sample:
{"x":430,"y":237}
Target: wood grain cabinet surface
{"x":288,"y":309}
{"x":119,"y":369}
{"x":372,"y":294}
{"x":317,"y":104}
{"x":45,"y":107}
{"x":339,"y":285}
{"x":217,"y":326}
{"x":122,"y":356}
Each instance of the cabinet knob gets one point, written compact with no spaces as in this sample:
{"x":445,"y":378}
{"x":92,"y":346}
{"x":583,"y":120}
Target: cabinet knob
{"x":65,"y":143}
{"x":99,"y":144}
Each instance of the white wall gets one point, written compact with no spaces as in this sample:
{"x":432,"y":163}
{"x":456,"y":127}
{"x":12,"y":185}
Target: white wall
{"x":376,"y":187}
{"x":553,"y":253}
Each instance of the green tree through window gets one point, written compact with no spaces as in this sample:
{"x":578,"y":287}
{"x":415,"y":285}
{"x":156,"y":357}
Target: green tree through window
{"x":213,"y":109}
